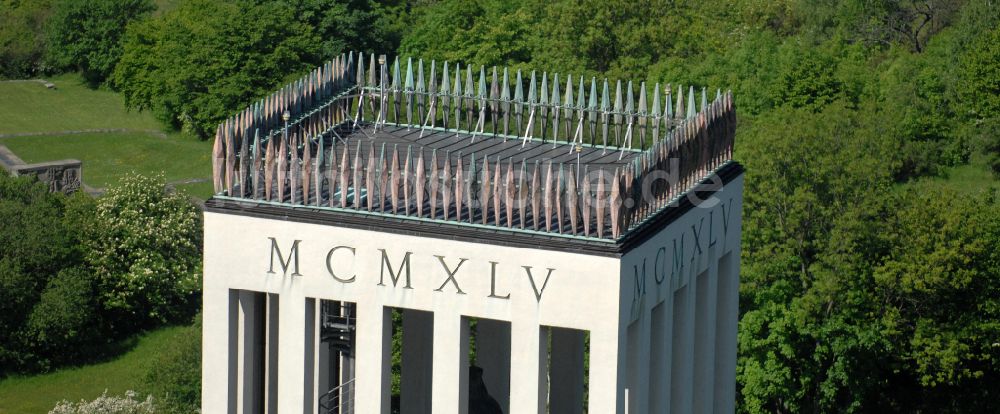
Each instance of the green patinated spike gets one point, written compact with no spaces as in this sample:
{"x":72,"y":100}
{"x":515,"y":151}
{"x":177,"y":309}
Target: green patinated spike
{"x":420,"y":86}
{"x":704,"y":99}
{"x":445,"y":82}
{"x":629,"y":100}
{"x":555,"y":89}
{"x":469,"y":91}
{"x":656,"y":100}
{"x":668,"y":111}
{"x":544,"y":99}
{"x":456,"y":92}
{"x":409,"y":75}
{"x":469,"y":86}
{"x":350,"y":65}
{"x":371,"y":70}
{"x":494,"y":96}
{"x":505,"y":90}
{"x":592,"y":102}
{"x":518,"y":88}
{"x":532,"y":96}
{"x":568,"y":100}
{"x":505,"y":102}
{"x":433,"y":83}
{"x":691,"y":109}
{"x":482,"y":83}
{"x":605,"y":97}
{"x":555,"y":105}
{"x":679,"y":110}
{"x":359,"y":77}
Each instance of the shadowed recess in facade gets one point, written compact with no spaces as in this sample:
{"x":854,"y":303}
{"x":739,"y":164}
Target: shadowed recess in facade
{"x":366,"y":138}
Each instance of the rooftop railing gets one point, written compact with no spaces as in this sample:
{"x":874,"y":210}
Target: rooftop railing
{"x":563,"y":158}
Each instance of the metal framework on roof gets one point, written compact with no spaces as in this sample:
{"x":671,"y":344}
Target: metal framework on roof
{"x":368,"y":139}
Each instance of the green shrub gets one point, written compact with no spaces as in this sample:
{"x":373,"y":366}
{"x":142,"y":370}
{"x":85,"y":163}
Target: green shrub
{"x":175,"y":375}
{"x":65,"y":319}
{"x":86,"y":35}
{"x":145,"y":246}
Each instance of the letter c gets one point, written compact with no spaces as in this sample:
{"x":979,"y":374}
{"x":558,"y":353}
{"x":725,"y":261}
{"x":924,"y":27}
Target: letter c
{"x":329,"y":268}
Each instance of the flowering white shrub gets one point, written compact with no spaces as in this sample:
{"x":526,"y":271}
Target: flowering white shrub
{"x":105,"y":404}
{"x":145,"y":246}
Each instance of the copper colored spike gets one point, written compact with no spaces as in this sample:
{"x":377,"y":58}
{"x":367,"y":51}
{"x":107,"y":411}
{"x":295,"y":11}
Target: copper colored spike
{"x":571,"y":199}
{"x":497,"y":193}
{"x":522,"y":194}
{"x":435,"y":184}
{"x":332,"y":171}
{"x":601,"y":201}
{"x":509,"y":193}
{"x":616,"y":206}
{"x":282,"y":169}
{"x":269,"y":167}
{"x":559,"y":187}
{"x":446,"y":187}
{"x":534,"y":192}
{"x":421,"y":180}
{"x":306,"y":169}
{"x":345,"y":178}
{"x":585,"y":203}
{"x":382,"y":175}
{"x":293,"y":169}
{"x":357,"y":177}
{"x":487,"y":187}
{"x":407,"y":181}
{"x":370,"y":180}
{"x":459,"y":188}
{"x":547,"y":203}
{"x":218,"y":160}
{"x":394,"y":180}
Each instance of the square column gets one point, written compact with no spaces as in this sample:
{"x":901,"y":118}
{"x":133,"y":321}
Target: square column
{"x":219,"y":331}
{"x":528,"y":367}
{"x":373,"y":359}
{"x":450,"y":392}
{"x":295,"y":360}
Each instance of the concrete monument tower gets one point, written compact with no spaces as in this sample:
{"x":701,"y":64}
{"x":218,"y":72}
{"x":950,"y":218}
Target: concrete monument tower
{"x":498,"y":241}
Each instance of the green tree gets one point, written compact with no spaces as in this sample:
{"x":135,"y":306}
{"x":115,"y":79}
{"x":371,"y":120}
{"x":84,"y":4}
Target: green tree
{"x":144,"y":245}
{"x":22,"y":37}
{"x":86,"y":35}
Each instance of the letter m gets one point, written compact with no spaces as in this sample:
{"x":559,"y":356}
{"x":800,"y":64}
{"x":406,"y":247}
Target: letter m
{"x":284,"y":263}
{"x":394,"y":276}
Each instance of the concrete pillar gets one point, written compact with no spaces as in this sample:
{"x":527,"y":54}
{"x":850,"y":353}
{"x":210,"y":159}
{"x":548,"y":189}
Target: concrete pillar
{"x":271,"y":350}
{"x":493,"y":356}
{"x":727,"y":317}
{"x":528,"y":376}
{"x":250,"y":356}
{"x":373,"y":359}
{"x":416,"y":377}
{"x":605,"y":372}
{"x":295,"y":349}
{"x":450,"y":392}
{"x":218,"y":392}
{"x":566,"y":371}
{"x":310,"y":351}
{"x":704,"y":348}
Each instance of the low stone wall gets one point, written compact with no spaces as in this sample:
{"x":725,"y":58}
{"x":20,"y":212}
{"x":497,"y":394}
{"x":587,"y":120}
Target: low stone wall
{"x":64,"y":176}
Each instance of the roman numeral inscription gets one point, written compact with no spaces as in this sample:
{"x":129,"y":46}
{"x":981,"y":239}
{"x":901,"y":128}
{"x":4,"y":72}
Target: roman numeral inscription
{"x":406,"y":270}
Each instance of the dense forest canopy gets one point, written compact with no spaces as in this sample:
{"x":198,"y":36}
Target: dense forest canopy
{"x":870,"y":281}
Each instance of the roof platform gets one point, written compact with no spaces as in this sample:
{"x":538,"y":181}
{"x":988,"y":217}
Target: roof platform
{"x":366,"y":141}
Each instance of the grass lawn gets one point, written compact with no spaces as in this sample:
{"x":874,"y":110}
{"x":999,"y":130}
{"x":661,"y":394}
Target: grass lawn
{"x":969,"y":179}
{"x":107,"y":156}
{"x":29,"y":107}
{"x":39,"y":394}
